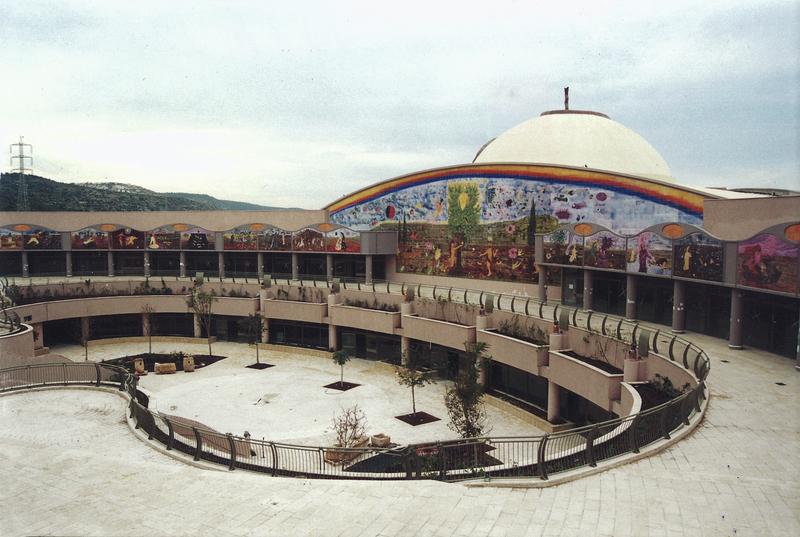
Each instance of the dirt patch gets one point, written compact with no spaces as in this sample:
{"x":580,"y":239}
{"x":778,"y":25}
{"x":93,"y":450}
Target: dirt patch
{"x":342,"y":386}
{"x":261,"y":365}
{"x":417,"y":418}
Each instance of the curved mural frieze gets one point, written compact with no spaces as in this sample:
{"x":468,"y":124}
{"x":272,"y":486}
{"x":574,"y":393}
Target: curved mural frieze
{"x":482,"y":220}
{"x":649,"y":253}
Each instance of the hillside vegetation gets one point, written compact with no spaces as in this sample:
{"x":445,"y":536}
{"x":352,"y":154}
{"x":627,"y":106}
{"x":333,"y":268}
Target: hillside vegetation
{"x":48,"y":195}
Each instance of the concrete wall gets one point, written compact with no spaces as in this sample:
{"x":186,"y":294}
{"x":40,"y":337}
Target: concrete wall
{"x":438,"y":332}
{"x":594,"y":384}
{"x":309,"y":312}
{"x":16,"y":349}
{"x":520,"y":354}
{"x":384,"y":322}
{"x":752,"y":215}
{"x":118,"y":305}
{"x":144,"y":221}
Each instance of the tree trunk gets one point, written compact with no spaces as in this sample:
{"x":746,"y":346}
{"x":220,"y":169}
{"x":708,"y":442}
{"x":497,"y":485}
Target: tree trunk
{"x":413,"y":401}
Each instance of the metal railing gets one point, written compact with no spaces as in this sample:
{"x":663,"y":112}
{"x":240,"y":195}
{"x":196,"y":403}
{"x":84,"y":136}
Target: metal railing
{"x":535,"y":456}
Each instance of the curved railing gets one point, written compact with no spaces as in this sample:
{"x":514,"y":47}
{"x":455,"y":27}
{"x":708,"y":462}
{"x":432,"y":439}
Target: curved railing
{"x":535,"y":456}
{"x":672,"y":346}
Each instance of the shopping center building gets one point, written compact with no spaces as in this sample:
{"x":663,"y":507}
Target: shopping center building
{"x":568,"y":207}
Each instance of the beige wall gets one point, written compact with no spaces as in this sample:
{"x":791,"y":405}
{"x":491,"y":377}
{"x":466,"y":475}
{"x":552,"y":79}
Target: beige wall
{"x":16,"y":349}
{"x":210,"y":220}
{"x":516,"y":353}
{"x":117,"y":305}
{"x":597,"y":386}
{"x":735,"y":220}
{"x":438,"y":332}
{"x":376,"y":321}
{"x":309,"y":312}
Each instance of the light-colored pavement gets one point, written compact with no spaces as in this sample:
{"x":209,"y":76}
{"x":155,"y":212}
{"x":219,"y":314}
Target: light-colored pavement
{"x":70,"y":466}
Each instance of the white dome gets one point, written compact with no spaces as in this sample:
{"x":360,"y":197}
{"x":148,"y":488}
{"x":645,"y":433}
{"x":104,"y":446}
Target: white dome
{"x":578,"y":139}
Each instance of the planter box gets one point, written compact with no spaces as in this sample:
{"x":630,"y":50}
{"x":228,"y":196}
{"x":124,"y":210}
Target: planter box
{"x":365,"y":319}
{"x":440,"y":332}
{"x":599,"y":387}
{"x":310,"y":312}
{"x":515,"y":352}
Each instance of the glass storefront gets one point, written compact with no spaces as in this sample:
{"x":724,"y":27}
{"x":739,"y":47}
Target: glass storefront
{"x":10,"y":263}
{"x":241,"y":265}
{"x":370,"y":345}
{"x":90,"y":263}
{"x":770,"y":322}
{"x":298,"y":334}
{"x":110,"y":326}
{"x":165,"y":263}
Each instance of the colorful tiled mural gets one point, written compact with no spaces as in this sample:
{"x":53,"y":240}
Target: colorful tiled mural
{"x":698,"y":256}
{"x":481,"y":221}
{"x":767,"y":262}
{"x":649,"y":253}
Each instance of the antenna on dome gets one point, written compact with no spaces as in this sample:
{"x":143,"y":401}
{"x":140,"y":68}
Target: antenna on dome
{"x":566,"y":98}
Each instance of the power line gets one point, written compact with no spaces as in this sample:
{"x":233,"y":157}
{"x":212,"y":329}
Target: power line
{"x":23,"y":204}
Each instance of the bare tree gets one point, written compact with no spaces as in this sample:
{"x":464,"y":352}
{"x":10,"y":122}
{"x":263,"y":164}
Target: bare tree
{"x":349,"y":426}
{"x":201,"y":303}
{"x":254,"y":331}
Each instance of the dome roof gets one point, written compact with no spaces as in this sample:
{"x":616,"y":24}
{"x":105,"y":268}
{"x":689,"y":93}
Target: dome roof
{"x":578,"y":139}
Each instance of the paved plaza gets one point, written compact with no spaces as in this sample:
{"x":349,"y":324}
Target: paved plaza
{"x":71,"y":466}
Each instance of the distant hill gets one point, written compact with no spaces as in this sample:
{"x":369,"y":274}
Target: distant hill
{"x":48,"y":195}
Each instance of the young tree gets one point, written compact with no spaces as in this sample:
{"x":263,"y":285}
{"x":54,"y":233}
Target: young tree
{"x":201,"y":303}
{"x":147,"y":317}
{"x":413,"y":377}
{"x":340,"y":358}
{"x":464,"y":401}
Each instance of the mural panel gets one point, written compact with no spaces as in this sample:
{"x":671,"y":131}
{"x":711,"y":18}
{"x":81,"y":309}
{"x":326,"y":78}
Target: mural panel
{"x":240,"y":238}
{"x":563,"y":247}
{"x":275,"y":239}
{"x":444,"y":225}
{"x":308,"y":240}
{"x":767,"y":262}
{"x":197,"y":238}
{"x":164,"y":238}
{"x":10,"y":239}
{"x":41,"y":239}
{"x":89,"y":238}
{"x":698,"y":256}
{"x":650,"y":253}
{"x":127,"y":239}
{"x":604,"y":250}
{"x":343,"y":240}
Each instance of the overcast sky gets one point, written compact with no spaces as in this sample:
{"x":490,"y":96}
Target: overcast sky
{"x":299,"y":103}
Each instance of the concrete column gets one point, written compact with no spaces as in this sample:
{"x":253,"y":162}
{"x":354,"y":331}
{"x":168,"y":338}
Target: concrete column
{"x":110,"y":263}
{"x":69,"y":264}
{"x":198,"y":331}
{"x":368,"y":269}
{"x":541,"y":285}
{"x":329,"y":266}
{"x":85,"y":329}
{"x":588,"y":283}
{"x":221,"y":264}
{"x":25,"y":267}
{"x":146,"y":325}
{"x":333,"y":340}
{"x":735,"y":335}
{"x":38,"y":336}
{"x":405,"y":349}
{"x":295,"y":266}
{"x":678,"y":306}
{"x":260,"y":265}
{"x":264,"y":330}
{"x":147,"y":264}
{"x":630,"y":297}
{"x":553,"y":401}
{"x":182,"y":265}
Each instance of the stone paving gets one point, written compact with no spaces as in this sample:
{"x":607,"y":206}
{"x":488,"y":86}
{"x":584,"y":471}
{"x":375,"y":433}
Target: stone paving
{"x":71,"y":466}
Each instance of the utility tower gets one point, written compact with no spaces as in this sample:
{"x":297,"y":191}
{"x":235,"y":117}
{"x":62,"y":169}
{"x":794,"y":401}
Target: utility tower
{"x":24,"y":164}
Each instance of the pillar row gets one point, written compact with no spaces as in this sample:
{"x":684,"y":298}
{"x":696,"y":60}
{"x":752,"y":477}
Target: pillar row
{"x":553,"y":401}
